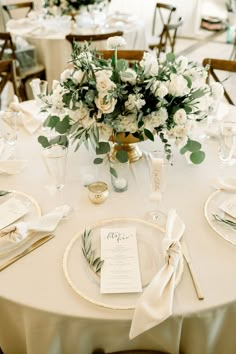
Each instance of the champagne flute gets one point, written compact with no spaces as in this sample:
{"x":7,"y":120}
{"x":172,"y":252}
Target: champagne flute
{"x":158,"y":167}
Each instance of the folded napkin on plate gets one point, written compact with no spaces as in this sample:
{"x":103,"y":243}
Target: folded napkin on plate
{"x":155,"y":304}
{"x":228,"y":184}
{"x":20,"y":230}
{"x":29,"y":121}
{"x":7,"y":165}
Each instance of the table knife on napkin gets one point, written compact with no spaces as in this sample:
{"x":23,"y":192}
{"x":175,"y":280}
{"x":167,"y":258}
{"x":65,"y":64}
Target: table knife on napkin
{"x":192,"y":272}
{"x":35,"y":245}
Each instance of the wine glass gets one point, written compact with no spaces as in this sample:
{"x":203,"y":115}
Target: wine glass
{"x":158,"y":167}
{"x":227,"y":142}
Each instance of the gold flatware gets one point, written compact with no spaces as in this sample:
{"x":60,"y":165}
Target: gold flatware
{"x":192,"y":271}
{"x":35,"y":245}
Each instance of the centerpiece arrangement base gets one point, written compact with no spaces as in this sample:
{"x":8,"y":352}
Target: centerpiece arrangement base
{"x":128,"y":144}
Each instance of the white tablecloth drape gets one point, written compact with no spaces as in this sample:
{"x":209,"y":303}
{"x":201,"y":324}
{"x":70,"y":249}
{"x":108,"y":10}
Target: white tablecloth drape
{"x":44,"y":315}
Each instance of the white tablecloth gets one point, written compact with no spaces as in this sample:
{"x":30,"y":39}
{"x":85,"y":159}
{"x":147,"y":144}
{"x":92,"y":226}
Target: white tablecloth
{"x":41,"y":312}
{"x":54,"y":51}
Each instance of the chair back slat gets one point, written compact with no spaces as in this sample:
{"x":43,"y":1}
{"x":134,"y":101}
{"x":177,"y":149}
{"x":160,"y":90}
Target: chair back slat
{"x":16,"y":6}
{"x":165,"y":12}
{"x":130,"y":55}
{"x":8,"y":73}
{"x":91,"y":37}
{"x":221,"y":65}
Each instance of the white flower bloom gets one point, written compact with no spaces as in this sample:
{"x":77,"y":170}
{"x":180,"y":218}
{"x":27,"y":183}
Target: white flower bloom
{"x":139,"y":103}
{"x":105,"y":105}
{"x":197,"y":75}
{"x":115,"y":42}
{"x":103,"y":82}
{"x":179,"y":131}
{"x":130,"y":103}
{"x":217,"y":91}
{"x":178,"y":86}
{"x":105,"y":132}
{"x":180,"y":116}
{"x":56,"y":99}
{"x":159,"y":89}
{"x":129,"y":75}
{"x":126,"y":123}
{"x":150,"y":64}
{"x":180,"y":142}
{"x":66,"y":75}
{"x":77,"y":76}
{"x":55,"y":83}
{"x":80,"y":114}
{"x":182,"y":63}
{"x":156,"y":119}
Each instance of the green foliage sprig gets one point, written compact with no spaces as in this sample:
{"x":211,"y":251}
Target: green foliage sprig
{"x":89,"y":253}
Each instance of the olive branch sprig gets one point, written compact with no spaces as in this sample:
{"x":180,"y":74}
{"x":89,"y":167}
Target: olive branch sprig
{"x":89,"y":253}
{"x":2,"y":193}
{"x":228,"y":222}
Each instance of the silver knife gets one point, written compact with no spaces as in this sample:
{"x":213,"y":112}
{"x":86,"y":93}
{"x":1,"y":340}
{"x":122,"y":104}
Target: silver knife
{"x":35,"y":245}
{"x":192,"y":271}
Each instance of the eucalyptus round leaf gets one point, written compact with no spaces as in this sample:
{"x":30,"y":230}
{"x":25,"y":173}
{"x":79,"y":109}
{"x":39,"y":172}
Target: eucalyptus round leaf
{"x":122,"y":156}
{"x":197,"y":157}
{"x":97,"y":161}
{"x":193,"y":146}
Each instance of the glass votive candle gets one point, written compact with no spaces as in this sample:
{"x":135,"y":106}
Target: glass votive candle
{"x":98,"y":192}
{"x":120,"y":177}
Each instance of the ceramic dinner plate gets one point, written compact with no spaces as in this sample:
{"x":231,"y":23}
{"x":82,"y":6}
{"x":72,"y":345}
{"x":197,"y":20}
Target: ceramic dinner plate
{"x":212,"y":207}
{"x":33,"y":213}
{"x":87,"y":284}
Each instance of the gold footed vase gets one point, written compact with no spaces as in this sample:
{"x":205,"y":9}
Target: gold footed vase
{"x":127,"y":143}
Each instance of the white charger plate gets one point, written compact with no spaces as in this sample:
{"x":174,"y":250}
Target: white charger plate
{"x":212,"y":207}
{"x":87,"y":284}
{"x":33,"y":213}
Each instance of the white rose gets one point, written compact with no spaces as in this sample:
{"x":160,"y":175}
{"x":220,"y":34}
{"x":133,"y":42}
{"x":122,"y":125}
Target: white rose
{"x":115,"y":42}
{"x":155,"y":119}
{"x":103,"y":82}
{"x":182,"y":63}
{"x":159,"y":89}
{"x":77,"y":76}
{"x":217,"y":91}
{"x":105,"y":105}
{"x":56,"y":98}
{"x":179,"y":131}
{"x":150,"y":64}
{"x":180,"y":116}
{"x":178,"y":86}
{"x":65,"y":75}
{"x":129,"y":75}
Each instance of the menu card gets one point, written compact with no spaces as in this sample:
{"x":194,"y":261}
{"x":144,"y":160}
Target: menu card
{"x":120,"y":272}
{"x":10,"y":211}
{"x":229,"y":206}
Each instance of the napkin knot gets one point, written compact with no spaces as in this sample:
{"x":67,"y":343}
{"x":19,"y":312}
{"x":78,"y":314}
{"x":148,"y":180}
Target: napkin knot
{"x":173,"y":254}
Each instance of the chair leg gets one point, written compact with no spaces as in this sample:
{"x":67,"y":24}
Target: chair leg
{"x":1,"y":352}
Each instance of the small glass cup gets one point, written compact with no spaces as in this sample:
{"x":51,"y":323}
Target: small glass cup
{"x":39,"y":89}
{"x":227,"y":142}
{"x":98,"y":192}
{"x":119,"y":175}
{"x":55,"y":157}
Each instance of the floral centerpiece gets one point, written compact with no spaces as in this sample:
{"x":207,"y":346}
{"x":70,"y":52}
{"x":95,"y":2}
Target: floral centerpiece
{"x":98,"y":100}
{"x":65,"y":7}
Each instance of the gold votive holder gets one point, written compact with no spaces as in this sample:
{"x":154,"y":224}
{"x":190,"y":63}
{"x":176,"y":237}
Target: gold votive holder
{"x":98,"y":192}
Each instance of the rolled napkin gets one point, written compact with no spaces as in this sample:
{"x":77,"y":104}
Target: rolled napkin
{"x":7,"y":165}
{"x":155,"y":304}
{"x":29,"y":121}
{"x":19,"y":231}
{"x":228,"y":183}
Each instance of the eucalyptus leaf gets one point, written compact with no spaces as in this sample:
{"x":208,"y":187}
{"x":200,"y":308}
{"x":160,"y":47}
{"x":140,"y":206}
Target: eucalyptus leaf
{"x":113,"y":172}
{"x":98,"y":161}
{"x":122,"y":156}
{"x":149,"y":134}
{"x":103,"y":148}
{"x":43,"y":141}
{"x":197,"y":157}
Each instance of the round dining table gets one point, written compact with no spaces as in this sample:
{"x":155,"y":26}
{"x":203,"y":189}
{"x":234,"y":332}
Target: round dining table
{"x":39,"y":310}
{"x":53,"y":50}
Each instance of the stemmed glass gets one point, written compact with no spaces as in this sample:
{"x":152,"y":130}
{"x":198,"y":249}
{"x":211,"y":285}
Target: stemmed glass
{"x":39,"y":89}
{"x":55,"y":158}
{"x":158,"y":167}
{"x":227,"y":143}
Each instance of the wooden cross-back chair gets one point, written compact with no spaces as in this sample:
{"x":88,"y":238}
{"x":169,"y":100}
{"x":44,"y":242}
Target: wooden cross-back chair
{"x":165,"y":12}
{"x":221,"y":65}
{"x":17,"y":6}
{"x":73,"y":37}
{"x":8,"y":74}
{"x":130,"y":55}
{"x":101,"y":351}
{"x":167,"y":38}
{"x":7,"y":49}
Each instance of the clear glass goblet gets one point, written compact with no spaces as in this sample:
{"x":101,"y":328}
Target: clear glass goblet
{"x":227,"y":142}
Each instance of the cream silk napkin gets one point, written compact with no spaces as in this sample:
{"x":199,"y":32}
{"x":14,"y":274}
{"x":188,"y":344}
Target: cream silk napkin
{"x":19,"y":231}
{"x":29,"y":121}
{"x":155,"y":304}
{"x":7,"y":165}
{"x":228,"y":184}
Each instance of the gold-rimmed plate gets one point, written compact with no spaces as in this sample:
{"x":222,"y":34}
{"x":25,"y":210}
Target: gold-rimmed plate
{"x":87,"y":284}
